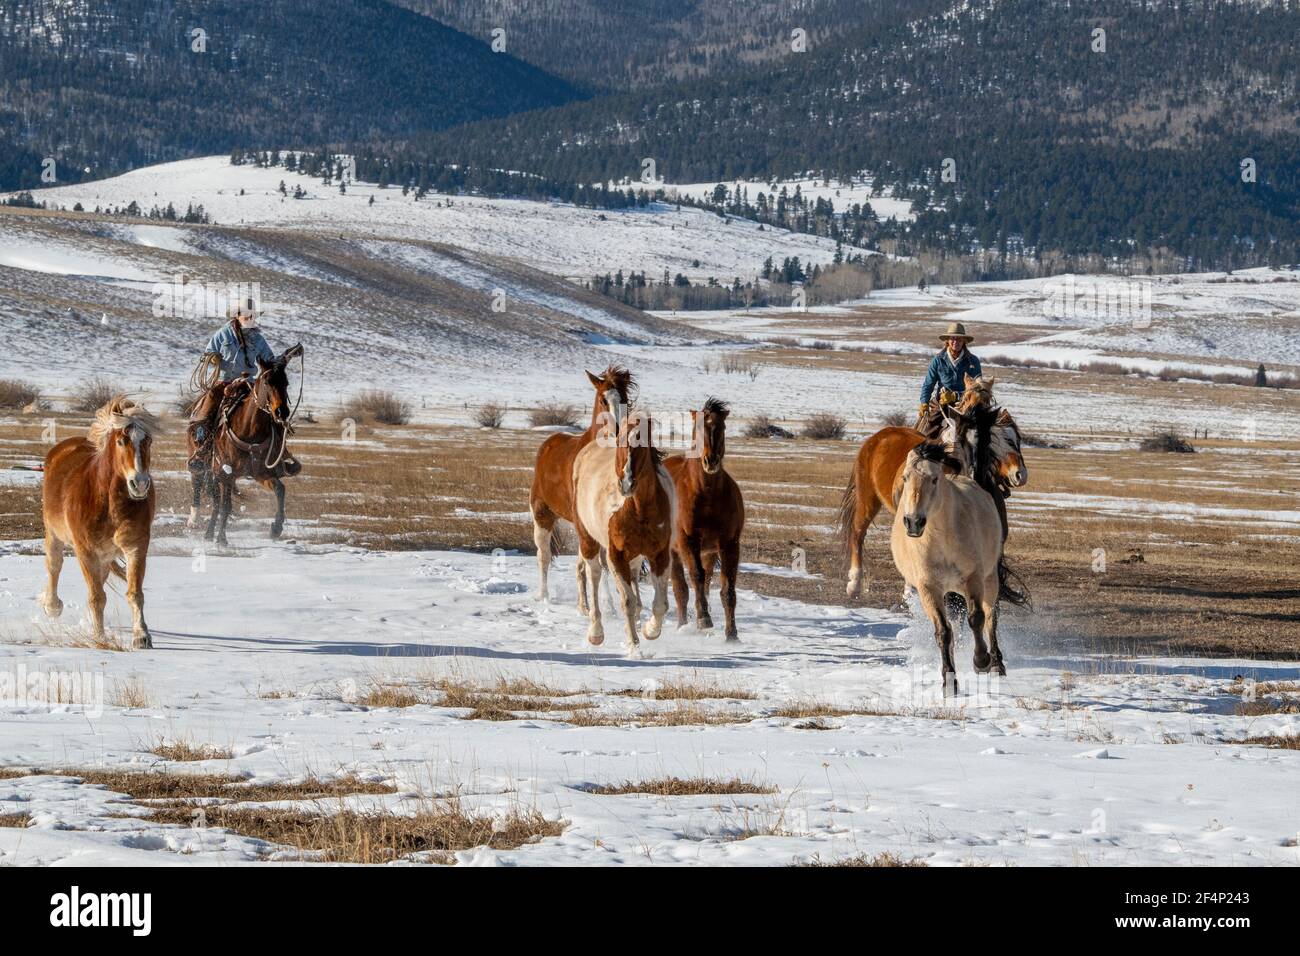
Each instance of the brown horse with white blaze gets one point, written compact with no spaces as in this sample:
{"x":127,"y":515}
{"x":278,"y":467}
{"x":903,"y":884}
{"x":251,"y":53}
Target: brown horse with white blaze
{"x":710,"y":519}
{"x":624,"y":506}
{"x":99,"y":499}
{"x":551,"y":498}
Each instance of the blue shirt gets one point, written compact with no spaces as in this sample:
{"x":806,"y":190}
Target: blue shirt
{"x":946,"y":373}
{"x":236,"y":361}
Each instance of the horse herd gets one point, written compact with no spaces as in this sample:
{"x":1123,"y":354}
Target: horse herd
{"x":682,"y":515}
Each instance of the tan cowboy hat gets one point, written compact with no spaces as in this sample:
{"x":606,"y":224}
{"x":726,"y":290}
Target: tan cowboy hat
{"x":957,"y":331}
{"x":243,"y":306}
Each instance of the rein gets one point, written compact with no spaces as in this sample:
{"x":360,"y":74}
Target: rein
{"x":254,"y":449}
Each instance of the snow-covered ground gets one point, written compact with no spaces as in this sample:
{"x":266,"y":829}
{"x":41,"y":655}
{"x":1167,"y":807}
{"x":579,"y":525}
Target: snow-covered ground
{"x":557,"y":238}
{"x":842,"y":196}
{"x":1072,"y":759}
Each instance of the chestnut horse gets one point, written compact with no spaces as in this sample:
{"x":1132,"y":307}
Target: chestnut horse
{"x":986,"y":442}
{"x":710,"y":518}
{"x":551,"y":498}
{"x":625,"y":508}
{"x":99,"y":500}
{"x":251,"y":440}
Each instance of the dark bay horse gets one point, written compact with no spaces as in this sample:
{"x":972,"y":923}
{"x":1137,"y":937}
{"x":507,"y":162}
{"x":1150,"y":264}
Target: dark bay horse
{"x":251,"y":439}
{"x":710,"y":519}
{"x":551,"y":498}
{"x":99,"y":499}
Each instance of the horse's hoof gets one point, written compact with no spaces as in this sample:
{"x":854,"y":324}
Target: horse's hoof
{"x":704,"y":623}
{"x":651,"y":629}
{"x":733,"y":636}
{"x":982,"y":664}
{"x":52,"y":608}
{"x":1000,"y":668}
{"x":595,"y":638}
{"x":207,"y":536}
{"x":853,"y":589}
{"x":142,"y":642}
{"x":276,"y":531}
{"x":950,"y":685}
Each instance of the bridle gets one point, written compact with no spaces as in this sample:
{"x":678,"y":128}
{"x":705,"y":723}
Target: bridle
{"x":281,"y":428}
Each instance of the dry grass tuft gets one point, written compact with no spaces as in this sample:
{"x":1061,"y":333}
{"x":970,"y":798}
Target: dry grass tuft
{"x":94,"y":394}
{"x":15,"y":820}
{"x":886,"y":859}
{"x":684,"y":689}
{"x":681,"y":715}
{"x":554,"y":415}
{"x":490,"y":415}
{"x":824,"y":427}
{"x":15,"y":394}
{"x":130,"y":694}
{"x":383,"y":407}
{"x":369,"y":837}
{"x":1166,"y":441}
{"x":1273,"y":741}
{"x":183,"y":750}
{"x":804,"y":709}
{"x":389,"y":695}
{"x":677,"y":787}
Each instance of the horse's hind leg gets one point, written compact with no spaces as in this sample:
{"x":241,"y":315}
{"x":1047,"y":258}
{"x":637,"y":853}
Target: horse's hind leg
{"x":863,"y":515}
{"x":625,"y":580}
{"x":53,"y":566}
{"x":991,"y":629}
{"x":214,"y":492}
{"x":933,"y":603}
{"x":730,"y":566}
{"x":975,"y":615}
{"x":95,"y":573}
{"x":277,"y":526}
{"x":543,"y":530}
{"x":659,"y":567}
{"x":196,"y":483}
{"x":703,"y":619}
{"x":680,"y":590}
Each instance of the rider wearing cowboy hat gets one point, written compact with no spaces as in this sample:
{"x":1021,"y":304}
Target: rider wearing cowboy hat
{"x":237,"y":345}
{"x":948,"y":369}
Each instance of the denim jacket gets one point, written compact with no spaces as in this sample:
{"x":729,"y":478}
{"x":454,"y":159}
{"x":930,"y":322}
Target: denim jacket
{"x":945,"y":373}
{"x":237,"y":360}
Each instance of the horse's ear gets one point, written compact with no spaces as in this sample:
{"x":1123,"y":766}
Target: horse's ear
{"x":970,"y":382}
{"x":262,"y":365}
{"x":292,"y":351}
{"x":596,"y":380}
{"x":988,"y":382}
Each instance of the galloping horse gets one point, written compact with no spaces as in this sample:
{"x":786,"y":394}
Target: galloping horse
{"x":99,"y":499}
{"x":985,"y":442}
{"x":625,"y":508}
{"x":946,"y":539}
{"x":710,"y":518}
{"x":250,"y":442}
{"x":552,"y":494}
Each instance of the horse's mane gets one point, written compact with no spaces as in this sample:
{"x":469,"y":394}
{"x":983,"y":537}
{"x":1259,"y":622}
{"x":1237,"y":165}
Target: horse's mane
{"x":120,"y":412}
{"x":931,"y":451}
{"x":623,"y":380}
{"x":717,"y":406}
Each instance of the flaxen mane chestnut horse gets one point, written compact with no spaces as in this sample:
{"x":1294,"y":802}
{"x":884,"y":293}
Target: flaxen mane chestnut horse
{"x":99,"y":500}
{"x":625,"y":505}
{"x":710,"y":518}
{"x":946,"y":539}
{"x":251,"y":441}
{"x":551,"y":498}
{"x":986,"y":441}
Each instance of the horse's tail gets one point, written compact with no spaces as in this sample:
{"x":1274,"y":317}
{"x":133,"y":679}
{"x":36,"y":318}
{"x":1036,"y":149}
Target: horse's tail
{"x":848,"y":513}
{"x":1012,"y":587}
{"x":118,"y":569}
{"x":555,"y":540}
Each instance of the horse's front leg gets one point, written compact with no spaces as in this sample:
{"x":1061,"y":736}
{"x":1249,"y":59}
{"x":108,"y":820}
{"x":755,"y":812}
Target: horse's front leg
{"x":703,"y":620}
{"x":932,"y":601}
{"x":226,"y":487}
{"x":277,"y":526}
{"x":53,"y":567}
{"x":660,"y":565}
{"x":196,"y":484}
{"x":214,"y":492}
{"x":141,"y":639}
{"x":624,"y":579}
{"x":730,"y":567}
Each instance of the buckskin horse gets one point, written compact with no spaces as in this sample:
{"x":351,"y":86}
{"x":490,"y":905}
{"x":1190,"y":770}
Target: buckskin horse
{"x":710,"y":519}
{"x":250,"y":441}
{"x":551,"y":498}
{"x":946,"y":539}
{"x":985,"y":442}
{"x":624,"y":506}
{"x":99,"y":499}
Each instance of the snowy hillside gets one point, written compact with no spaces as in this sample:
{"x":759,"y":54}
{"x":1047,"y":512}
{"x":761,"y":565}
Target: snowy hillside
{"x":560,"y":239}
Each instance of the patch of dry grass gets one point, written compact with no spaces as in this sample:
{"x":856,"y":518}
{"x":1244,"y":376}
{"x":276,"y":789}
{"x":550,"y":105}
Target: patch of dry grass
{"x":94,"y":394}
{"x":680,"y":715}
{"x":678,"y":787}
{"x":16,"y":394}
{"x":389,"y":695}
{"x":554,"y":415}
{"x":184,"y":751}
{"x":169,"y":785}
{"x":685,"y":689}
{"x":816,"y":709}
{"x":15,"y":820}
{"x":131,"y":694}
{"x":386,"y":408}
{"x":433,"y":833}
{"x":885,"y":859}
{"x":1272,"y":741}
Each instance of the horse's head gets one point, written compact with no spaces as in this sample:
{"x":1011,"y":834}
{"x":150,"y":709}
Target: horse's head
{"x":922,"y":472}
{"x":635,"y":455}
{"x":271,"y":387}
{"x":124,"y":431}
{"x":614,"y":389}
{"x":978,"y":394}
{"x":710,"y":425}
{"x":1004,"y":447}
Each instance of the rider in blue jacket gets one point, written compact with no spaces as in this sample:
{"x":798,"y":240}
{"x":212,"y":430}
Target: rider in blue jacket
{"x":238,"y":345}
{"x":948,"y":369}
